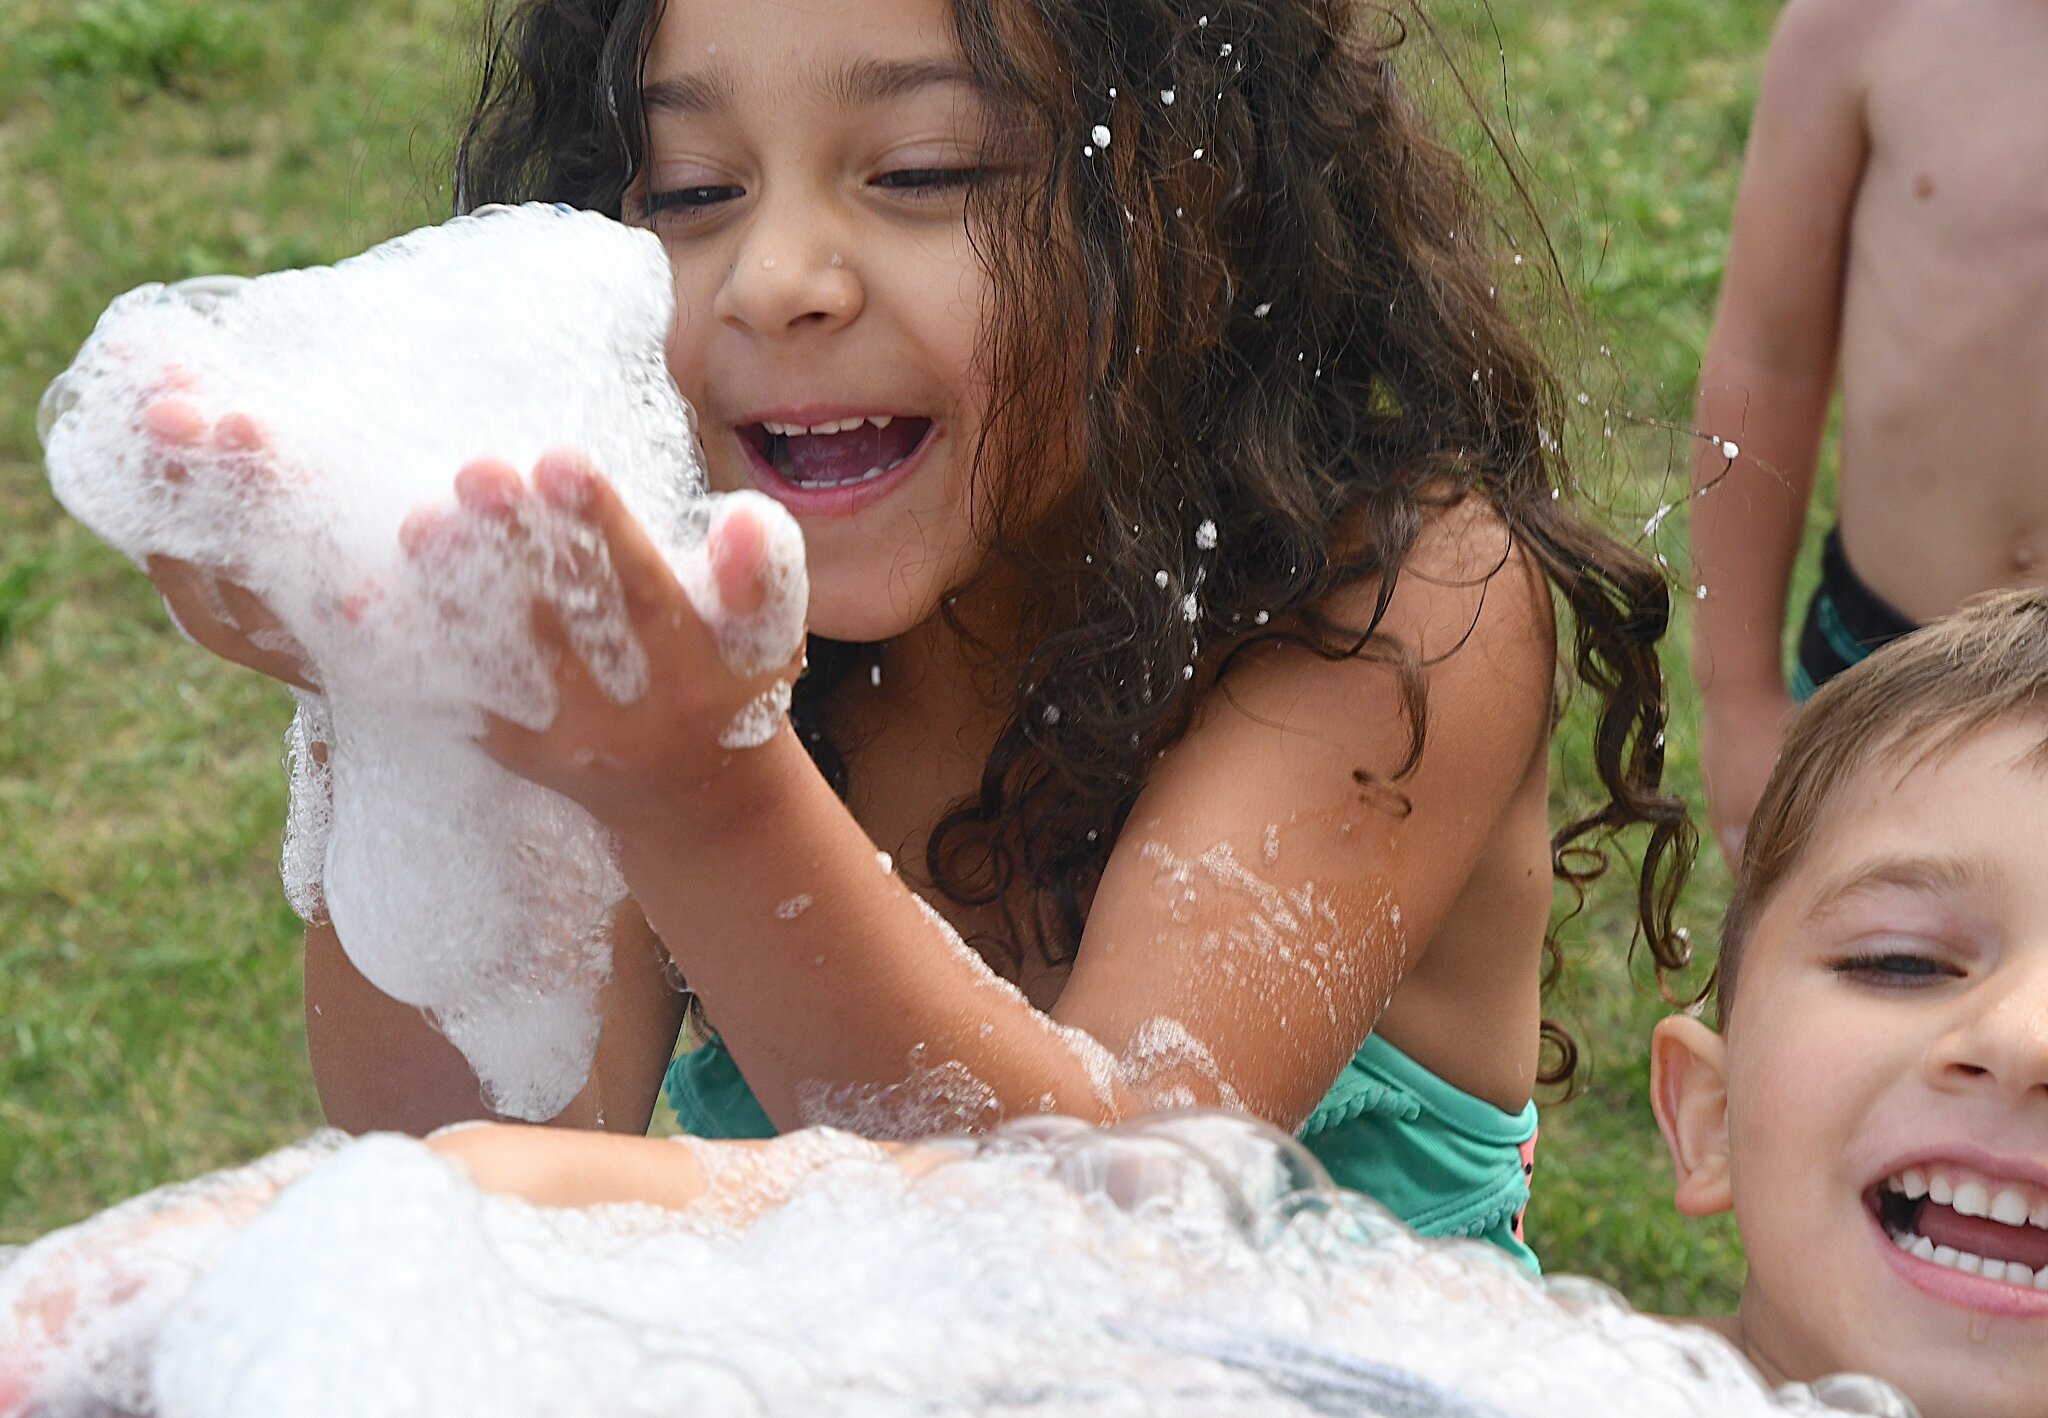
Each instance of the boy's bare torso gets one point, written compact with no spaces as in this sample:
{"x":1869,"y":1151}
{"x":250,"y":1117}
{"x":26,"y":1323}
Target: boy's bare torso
{"x":1944,"y":333}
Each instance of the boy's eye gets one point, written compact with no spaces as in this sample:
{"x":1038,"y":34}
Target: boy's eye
{"x":1895,"y":969}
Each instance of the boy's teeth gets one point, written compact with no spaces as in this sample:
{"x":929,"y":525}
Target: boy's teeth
{"x":2008,"y":1208}
{"x":1972,"y":1196}
{"x":2009,"y":1271}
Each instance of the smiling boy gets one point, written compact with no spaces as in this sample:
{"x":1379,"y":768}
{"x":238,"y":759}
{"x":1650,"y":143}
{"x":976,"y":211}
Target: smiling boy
{"x":1874,"y":1107}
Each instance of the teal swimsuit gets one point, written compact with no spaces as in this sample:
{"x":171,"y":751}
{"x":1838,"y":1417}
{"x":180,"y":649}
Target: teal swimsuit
{"x":1445,"y":1162}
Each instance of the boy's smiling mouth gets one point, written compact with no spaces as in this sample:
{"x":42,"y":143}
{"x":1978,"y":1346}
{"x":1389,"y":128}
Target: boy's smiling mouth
{"x":831,"y":454}
{"x":1968,"y":1222}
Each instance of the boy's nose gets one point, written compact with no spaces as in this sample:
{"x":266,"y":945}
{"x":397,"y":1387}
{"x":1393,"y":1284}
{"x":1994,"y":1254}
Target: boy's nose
{"x":2002,"y":1042}
{"x":788,"y":275}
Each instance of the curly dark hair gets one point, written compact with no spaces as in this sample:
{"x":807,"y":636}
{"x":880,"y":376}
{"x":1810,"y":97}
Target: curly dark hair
{"x":1274,"y":296}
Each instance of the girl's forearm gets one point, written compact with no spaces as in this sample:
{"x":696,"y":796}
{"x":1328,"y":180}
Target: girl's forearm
{"x":823,"y":972}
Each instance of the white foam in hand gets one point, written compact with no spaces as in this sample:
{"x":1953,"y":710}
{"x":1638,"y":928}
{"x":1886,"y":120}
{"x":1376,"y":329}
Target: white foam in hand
{"x":279,"y":433}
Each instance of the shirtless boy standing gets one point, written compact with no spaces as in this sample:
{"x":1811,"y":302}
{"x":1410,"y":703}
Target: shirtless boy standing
{"x":1892,"y":218}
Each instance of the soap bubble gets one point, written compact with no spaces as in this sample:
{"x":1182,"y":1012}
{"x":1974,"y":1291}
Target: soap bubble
{"x":1194,"y":1263}
{"x":279,"y":432}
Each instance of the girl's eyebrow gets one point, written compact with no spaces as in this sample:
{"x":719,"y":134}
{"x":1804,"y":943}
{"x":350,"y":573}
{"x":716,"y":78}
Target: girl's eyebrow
{"x":856,"y":85}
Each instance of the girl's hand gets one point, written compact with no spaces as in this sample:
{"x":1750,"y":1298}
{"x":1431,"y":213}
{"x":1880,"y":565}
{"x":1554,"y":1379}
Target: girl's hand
{"x":216,"y":613}
{"x":624,"y":761}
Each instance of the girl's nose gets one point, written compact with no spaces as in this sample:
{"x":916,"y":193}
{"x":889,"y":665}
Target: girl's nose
{"x":788,"y":275}
{"x":2001,"y":1042}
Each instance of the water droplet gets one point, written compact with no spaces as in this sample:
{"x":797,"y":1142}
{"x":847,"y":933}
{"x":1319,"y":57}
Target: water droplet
{"x":1159,"y":576}
{"x":1100,"y":134}
{"x":1732,"y":450}
{"x":1199,"y":152}
{"x":1166,"y":97}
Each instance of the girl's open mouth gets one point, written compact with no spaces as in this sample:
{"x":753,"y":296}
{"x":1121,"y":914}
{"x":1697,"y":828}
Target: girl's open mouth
{"x":1966,"y":1223}
{"x":836,"y":455}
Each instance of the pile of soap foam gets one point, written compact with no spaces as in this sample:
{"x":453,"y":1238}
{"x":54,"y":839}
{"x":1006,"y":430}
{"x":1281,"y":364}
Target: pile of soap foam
{"x":1194,"y":1264}
{"x":453,"y":885}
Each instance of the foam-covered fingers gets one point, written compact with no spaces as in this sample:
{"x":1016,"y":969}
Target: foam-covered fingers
{"x":238,"y":433}
{"x":176,"y":422}
{"x":489,"y":488}
{"x":568,"y":481}
{"x":738,"y":548}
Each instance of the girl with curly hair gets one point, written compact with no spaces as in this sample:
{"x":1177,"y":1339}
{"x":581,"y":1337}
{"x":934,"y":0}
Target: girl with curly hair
{"x":1187,"y":554}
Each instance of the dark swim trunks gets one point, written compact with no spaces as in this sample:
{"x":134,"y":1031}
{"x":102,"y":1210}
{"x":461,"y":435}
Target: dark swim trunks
{"x":1845,"y":622}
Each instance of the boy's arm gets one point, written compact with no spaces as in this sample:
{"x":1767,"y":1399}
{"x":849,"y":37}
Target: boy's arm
{"x":1766,"y":382}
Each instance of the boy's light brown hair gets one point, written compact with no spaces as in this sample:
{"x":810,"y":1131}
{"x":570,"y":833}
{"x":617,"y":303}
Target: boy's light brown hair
{"x":1918,"y":696}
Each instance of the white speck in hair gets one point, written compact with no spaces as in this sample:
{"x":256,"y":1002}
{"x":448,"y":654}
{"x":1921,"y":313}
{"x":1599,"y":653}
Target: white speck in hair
{"x":1112,"y":91}
{"x":1261,"y":618}
{"x":1205,"y":535}
{"x":1227,"y":48}
{"x":1187,"y":671}
{"x":1657,"y":519}
{"x":1161,"y":578}
{"x":1263,"y":309}
{"x":1733,"y":451}
{"x":1166,"y":97}
{"x":1199,"y":152}
{"x":1100,"y":134}
{"x":1190,"y":608}
{"x":1087,"y":151}
{"x":1051,"y":714}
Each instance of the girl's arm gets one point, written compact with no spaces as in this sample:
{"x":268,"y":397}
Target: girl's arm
{"x":380,"y":1066}
{"x":1260,"y":910}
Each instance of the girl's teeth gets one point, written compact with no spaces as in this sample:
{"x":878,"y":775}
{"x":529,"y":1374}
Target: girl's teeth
{"x":1914,"y":1183}
{"x":1971,"y":1199}
{"x":2008,"y":1208}
{"x":1939,"y":1190}
{"x":794,"y":430}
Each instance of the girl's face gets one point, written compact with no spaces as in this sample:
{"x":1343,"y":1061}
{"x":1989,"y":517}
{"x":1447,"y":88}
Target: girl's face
{"x":808,"y":169}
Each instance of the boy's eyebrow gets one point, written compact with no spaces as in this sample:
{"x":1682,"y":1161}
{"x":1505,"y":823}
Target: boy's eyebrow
{"x":1928,"y":875}
{"x":863,"y":82}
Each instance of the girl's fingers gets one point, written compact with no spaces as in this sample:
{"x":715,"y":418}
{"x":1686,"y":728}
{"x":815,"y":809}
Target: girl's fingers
{"x":569,"y":482}
{"x":490,"y":488}
{"x":738,"y":548}
{"x":176,"y":422}
{"x":238,"y":433}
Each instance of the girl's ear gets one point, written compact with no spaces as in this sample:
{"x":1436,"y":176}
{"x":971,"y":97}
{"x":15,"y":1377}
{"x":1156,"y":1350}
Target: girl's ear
{"x":1689,"y":1094}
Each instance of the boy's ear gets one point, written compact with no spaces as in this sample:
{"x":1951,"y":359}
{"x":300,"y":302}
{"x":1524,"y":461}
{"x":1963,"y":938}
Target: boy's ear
{"x":1689,"y":1094}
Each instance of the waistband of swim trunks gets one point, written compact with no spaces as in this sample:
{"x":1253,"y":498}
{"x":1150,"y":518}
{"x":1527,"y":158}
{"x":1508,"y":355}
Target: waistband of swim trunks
{"x":1865,"y":615}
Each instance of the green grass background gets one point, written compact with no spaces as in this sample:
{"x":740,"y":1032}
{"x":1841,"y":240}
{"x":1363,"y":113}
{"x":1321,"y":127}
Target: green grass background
{"x":149,"y":994}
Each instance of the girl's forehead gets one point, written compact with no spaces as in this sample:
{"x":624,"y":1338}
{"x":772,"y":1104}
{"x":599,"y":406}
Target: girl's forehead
{"x":739,"y":34}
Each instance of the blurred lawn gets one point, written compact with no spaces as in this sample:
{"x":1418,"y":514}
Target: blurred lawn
{"x":149,"y":1001}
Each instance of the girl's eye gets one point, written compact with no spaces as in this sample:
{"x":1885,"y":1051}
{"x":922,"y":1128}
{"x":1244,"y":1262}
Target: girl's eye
{"x":1895,"y":969}
{"x":686,"y":202}
{"x":930,"y":181}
